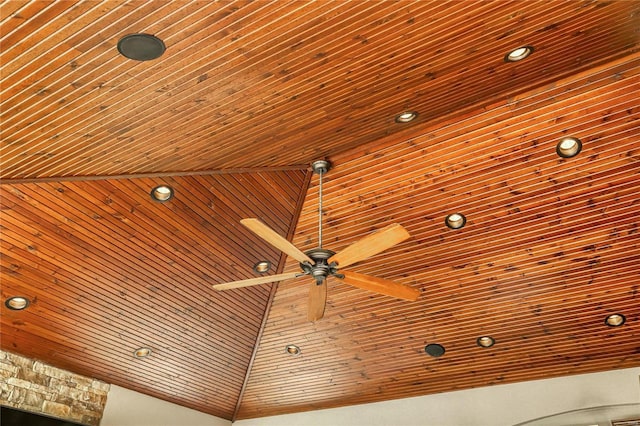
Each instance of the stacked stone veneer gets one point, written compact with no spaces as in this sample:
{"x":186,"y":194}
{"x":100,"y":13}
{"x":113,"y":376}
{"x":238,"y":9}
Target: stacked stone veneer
{"x":30,"y":385}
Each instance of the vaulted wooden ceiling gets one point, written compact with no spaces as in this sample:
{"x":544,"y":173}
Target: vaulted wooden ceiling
{"x":246,"y":96}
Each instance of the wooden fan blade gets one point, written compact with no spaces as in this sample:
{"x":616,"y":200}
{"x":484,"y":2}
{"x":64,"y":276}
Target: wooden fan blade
{"x":374,"y":243}
{"x":257,"y":280}
{"x":275,"y":239}
{"x":317,"y":300}
{"x":380,"y":285}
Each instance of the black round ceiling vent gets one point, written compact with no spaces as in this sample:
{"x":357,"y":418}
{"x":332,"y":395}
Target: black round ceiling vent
{"x":141,"y":47}
{"x":434,"y":350}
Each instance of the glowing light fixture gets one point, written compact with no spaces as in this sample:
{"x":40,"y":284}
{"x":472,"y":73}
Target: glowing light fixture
{"x":262,"y":267}
{"x":292,"y":350}
{"x":568,"y":147}
{"x":142,"y":352}
{"x":162,"y":193}
{"x":615,"y":320}
{"x":17,"y":303}
{"x":485,"y":341}
{"x":406,"y":117}
{"x":518,"y":54}
{"x":455,"y":220}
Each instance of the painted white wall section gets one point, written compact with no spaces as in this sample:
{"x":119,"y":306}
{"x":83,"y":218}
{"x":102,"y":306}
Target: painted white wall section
{"x":128,"y":408}
{"x":494,"y":405}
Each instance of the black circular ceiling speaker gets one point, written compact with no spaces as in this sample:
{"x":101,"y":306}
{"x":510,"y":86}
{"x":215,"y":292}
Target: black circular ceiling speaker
{"x":434,"y":350}
{"x":141,"y":47}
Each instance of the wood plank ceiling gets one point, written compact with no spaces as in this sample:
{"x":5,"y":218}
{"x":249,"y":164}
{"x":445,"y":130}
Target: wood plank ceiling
{"x":245,"y":97}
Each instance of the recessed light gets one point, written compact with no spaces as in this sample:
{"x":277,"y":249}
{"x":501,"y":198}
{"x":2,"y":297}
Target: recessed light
{"x":455,"y":220}
{"x":17,"y":303}
{"x":162,"y":193}
{"x":485,"y":341}
{"x":406,"y":117}
{"x":615,"y":320}
{"x":142,"y":352}
{"x":518,"y":54}
{"x":568,"y":147}
{"x":292,"y":350}
{"x":435,"y":350}
{"x":262,"y":267}
{"x":141,"y":47}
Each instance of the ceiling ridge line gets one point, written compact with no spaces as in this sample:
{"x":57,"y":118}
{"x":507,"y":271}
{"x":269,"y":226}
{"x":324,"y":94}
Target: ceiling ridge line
{"x":485,"y":106}
{"x":12,"y":181}
{"x":281,"y":265}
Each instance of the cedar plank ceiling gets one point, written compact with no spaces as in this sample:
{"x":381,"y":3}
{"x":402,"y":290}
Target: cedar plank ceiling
{"x":245,"y":97}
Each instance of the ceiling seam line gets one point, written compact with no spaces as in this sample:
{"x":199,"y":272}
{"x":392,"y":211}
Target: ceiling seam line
{"x":11,"y":181}
{"x":439,"y":122}
{"x":281,"y":264}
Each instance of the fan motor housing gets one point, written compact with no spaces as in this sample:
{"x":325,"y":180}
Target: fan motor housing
{"x":320,"y":269}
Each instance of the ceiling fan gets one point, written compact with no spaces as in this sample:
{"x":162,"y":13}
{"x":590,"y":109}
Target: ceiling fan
{"x":321,"y":263}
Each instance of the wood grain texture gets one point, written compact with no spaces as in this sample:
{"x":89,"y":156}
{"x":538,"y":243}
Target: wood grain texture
{"x":380,"y":285}
{"x":109,"y":270}
{"x":278,"y":241}
{"x":250,"y":84}
{"x":550,"y":249}
{"x":256,"y":281}
{"x":369,"y":245}
{"x":317,"y":300}
{"x":246,"y":96}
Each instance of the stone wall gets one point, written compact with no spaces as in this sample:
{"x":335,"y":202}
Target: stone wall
{"x":30,"y":385}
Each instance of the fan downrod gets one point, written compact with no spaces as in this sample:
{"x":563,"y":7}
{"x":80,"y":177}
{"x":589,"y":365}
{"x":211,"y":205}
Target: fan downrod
{"x":320,"y":167}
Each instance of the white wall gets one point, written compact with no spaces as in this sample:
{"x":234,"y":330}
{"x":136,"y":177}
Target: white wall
{"x":128,"y":408}
{"x":495,"y":405}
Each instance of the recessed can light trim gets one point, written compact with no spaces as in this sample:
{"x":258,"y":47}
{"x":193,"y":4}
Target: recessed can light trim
{"x":455,"y":220}
{"x":406,"y":117}
{"x":17,"y":303}
{"x":292,"y":350}
{"x":615,"y":320}
{"x":569,"y":147}
{"x":485,"y":341}
{"x":518,"y":54}
{"x":141,"y":47}
{"x":262,"y":267}
{"x":142,"y":352}
{"x":162,"y":193}
{"x":434,"y":349}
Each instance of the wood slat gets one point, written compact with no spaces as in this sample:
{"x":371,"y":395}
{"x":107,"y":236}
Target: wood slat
{"x":550,"y":248}
{"x":352,"y":69}
{"x":142,"y":272}
{"x":246,"y":96}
